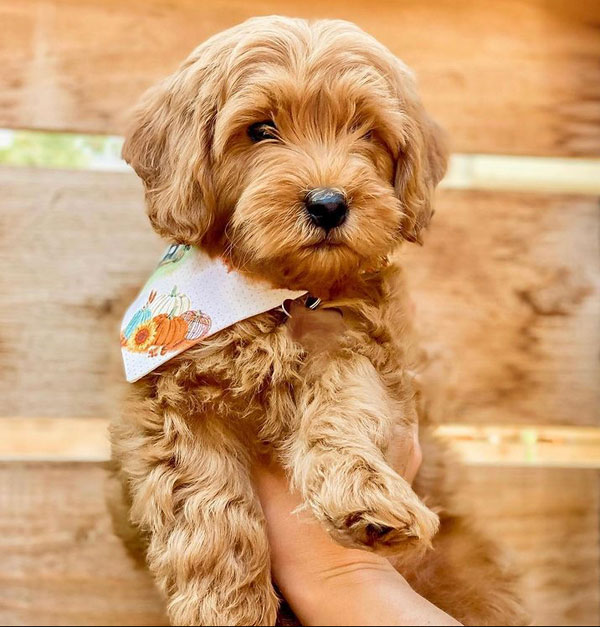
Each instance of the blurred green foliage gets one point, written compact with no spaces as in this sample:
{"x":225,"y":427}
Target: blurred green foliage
{"x":59,"y":150}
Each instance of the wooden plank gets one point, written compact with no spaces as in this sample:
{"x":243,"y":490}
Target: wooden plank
{"x":559,"y":175}
{"x":86,"y":440}
{"x":532,"y":445}
{"x":55,"y":439}
{"x":548,"y":519}
{"x":507,"y":292}
{"x":519,"y":76}
{"x":75,"y":244}
{"x":506,"y":289}
{"x":61,"y":564}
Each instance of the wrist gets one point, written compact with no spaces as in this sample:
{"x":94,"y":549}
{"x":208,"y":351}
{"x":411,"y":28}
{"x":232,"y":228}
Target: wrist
{"x":337,"y":589}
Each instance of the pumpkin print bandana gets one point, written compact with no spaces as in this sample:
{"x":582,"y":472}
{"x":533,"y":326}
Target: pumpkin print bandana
{"x":186,"y":299}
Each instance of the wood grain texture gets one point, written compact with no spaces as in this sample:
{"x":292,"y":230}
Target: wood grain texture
{"x":75,"y":243}
{"x":548,"y":521}
{"x":61,"y":564}
{"x":71,"y":439}
{"x":507,"y":292}
{"x":518,"y":76}
{"x":506,"y":286}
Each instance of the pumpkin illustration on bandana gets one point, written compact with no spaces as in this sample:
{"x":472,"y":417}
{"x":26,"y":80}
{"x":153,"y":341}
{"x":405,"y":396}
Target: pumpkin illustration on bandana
{"x":163,"y":324}
{"x":170,"y":332}
{"x":141,"y":315}
{"x":198,"y":324}
{"x":172,"y":304}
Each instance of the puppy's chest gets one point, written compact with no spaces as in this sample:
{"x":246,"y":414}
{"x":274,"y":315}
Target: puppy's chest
{"x":255,"y":371}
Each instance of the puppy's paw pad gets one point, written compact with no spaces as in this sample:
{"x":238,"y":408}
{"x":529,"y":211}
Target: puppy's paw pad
{"x":377,"y":533}
{"x":368,"y":529}
{"x":364,"y":532}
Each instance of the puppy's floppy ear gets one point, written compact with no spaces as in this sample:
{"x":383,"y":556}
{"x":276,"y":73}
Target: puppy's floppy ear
{"x":421,"y":166}
{"x":169,"y":146}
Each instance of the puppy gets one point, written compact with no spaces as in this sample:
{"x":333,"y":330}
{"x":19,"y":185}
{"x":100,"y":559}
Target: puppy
{"x":298,"y":154}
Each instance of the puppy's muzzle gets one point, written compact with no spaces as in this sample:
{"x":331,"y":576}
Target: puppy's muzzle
{"x":326,"y":207}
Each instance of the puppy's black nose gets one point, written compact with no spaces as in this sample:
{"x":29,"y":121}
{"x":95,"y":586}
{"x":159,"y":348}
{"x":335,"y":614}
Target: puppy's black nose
{"x":326,"y":207}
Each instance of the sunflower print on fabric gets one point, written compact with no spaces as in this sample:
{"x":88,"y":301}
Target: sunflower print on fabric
{"x":142,"y":337}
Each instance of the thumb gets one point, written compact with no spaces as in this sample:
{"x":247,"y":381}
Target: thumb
{"x":404,"y":453}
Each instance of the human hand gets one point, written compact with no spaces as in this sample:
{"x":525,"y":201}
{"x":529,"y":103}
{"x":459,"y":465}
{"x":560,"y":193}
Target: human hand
{"x":326,"y":583}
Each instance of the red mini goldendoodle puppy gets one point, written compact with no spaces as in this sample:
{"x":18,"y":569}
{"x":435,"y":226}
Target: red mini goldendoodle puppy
{"x":298,"y":154}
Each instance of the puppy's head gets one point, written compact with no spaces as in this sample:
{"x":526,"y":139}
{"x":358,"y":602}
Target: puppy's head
{"x":298,"y":150}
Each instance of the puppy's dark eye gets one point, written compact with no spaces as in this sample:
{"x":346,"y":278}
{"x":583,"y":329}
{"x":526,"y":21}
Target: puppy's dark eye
{"x":262,"y":130}
{"x":368,"y":136}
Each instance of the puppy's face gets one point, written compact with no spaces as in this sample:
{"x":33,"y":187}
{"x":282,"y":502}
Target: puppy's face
{"x":300,"y":152}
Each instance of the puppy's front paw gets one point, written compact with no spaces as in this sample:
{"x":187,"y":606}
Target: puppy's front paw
{"x":408,"y":523}
{"x":378,"y":511}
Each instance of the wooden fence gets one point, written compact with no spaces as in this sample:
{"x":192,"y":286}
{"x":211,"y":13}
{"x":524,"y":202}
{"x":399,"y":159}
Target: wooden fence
{"x":507,"y":286}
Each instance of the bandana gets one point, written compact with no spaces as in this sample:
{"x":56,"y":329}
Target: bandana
{"x":188,"y":298}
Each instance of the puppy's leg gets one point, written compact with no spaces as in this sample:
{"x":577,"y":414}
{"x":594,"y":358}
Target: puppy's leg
{"x":336,"y":458}
{"x":191,"y":495}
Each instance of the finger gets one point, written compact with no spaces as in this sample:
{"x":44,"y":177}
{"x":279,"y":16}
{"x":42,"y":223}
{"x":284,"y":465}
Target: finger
{"x":416,"y":458}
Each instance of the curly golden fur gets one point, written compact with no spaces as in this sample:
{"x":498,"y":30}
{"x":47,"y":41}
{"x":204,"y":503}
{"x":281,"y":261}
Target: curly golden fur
{"x":344,"y":113}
